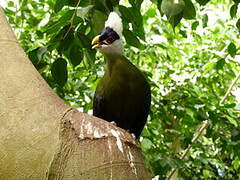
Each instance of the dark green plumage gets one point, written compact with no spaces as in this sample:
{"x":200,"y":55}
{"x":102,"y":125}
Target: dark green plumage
{"x":123,"y":95}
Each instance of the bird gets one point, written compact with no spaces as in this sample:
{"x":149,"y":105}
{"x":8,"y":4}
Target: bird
{"x":123,"y":94}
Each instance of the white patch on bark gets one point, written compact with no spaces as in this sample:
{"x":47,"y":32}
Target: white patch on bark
{"x":110,"y":152}
{"x":89,"y":128}
{"x":97,"y":133}
{"x":131,"y":162}
{"x":81,"y":136}
{"x":116,"y":134}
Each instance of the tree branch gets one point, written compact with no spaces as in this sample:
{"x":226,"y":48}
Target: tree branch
{"x":230,"y":89}
{"x":41,"y":136}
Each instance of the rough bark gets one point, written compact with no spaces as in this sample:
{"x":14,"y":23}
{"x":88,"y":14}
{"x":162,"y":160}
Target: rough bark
{"x":43,"y":138}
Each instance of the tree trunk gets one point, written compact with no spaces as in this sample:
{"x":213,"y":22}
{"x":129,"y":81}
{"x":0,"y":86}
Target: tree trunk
{"x":43,"y":138}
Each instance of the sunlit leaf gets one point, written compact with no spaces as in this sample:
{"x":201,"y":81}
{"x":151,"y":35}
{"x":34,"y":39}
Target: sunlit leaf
{"x":230,"y":105}
{"x":146,"y":143}
{"x":232,"y":121}
{"x":172,"y":7}
{"x":83,"y":11}
{"x":236,"y":164}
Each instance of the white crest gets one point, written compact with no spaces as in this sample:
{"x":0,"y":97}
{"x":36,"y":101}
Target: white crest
{"x":115,"y":22}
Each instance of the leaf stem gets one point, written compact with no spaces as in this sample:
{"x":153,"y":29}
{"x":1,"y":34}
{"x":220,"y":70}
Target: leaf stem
{"x":72,"y":18}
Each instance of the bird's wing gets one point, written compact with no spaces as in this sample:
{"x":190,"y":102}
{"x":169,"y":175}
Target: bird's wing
{"x":99,"y":105}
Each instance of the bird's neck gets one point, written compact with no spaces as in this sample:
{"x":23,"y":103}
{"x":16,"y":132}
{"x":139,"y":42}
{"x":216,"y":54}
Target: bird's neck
{"x":111,"y":60}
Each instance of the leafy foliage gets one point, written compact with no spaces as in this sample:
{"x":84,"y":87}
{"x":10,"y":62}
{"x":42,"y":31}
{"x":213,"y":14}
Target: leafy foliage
{"x":188,"y":51}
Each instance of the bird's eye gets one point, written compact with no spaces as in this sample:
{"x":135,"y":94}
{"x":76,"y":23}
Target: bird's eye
{"x":110,"y":40}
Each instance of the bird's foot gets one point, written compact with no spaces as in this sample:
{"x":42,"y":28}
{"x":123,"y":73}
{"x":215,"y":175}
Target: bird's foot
{"x":112,"y":122}
{"x":134,"y":137}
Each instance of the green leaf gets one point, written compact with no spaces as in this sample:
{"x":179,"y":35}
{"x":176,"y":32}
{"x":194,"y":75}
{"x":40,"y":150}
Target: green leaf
{"x":232,"y":50}
{"x":100,"y":6}
{"x":151,"y":12}
{"x":208,"y":67}
{"x":59,"y":71}
{"x":172,"y":7}
{"x":53,"y":27}
{"x":189,"y":11}
{"x":126,"y":13}
{"x":207,"y":174}
{"x":59,"y":5}
{"x":220,"y":63}
{"x":98,"y":19}
{"x":159,"y":4}
{"x":232,"y":105}
{"x":183,"y":33}
{"x":233,"y":10}
{"x":238,"y":24}
{"x":66,"y":40}
{"x":82,"y":12}
{"x":205,"y":20}
{"x":111,"y":4}
{"x":32,"y":55}
{"x":137,"y":23}
{"x":236,"y":1}
{"x":131,"y":38}
{"x":137,"y":20}
{"x":232,"y":121}
{"x":90,"y":55}
{"x":236,"y":164}
{"x":175,"y":20}
{"x":83,"y":40}
{"x":146,"y":143}
{"x":195,"y":25}
{"x":203,"y":2}
{"x":41,"y":52}
{"x":75,"y":55}
{"x":135,"y":3}
{"x":36,"y":58}
{"x":10,"y":4}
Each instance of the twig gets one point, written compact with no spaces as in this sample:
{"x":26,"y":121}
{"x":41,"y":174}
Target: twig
{"x":203,"y":127}
{"x":72,"y":18}
{"x":230,"y":89}
{"x":196,"y":137}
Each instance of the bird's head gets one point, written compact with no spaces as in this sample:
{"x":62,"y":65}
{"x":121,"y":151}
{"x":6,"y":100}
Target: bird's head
{"x":108,"y":41}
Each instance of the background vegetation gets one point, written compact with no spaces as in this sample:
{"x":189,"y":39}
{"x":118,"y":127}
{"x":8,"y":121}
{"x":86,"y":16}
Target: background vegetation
{"x":189,"y":51}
